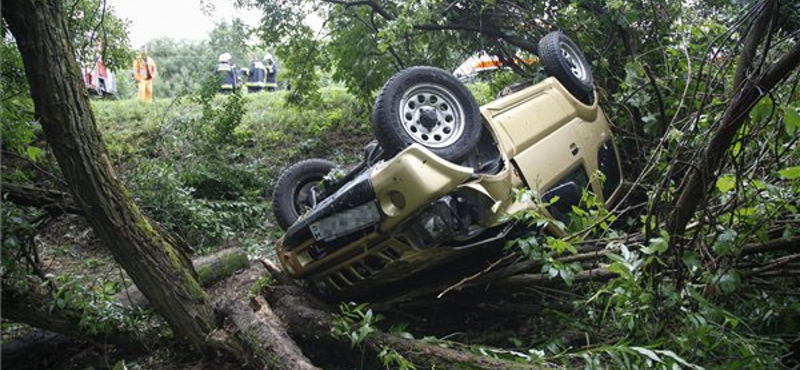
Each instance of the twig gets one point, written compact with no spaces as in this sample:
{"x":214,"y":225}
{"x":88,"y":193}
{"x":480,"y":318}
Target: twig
{"x":476,"y":275}
{"x":776,"y":263}
{"x":599,"y":273}
{"x":791,"y":244}
{"x":35,"y":166}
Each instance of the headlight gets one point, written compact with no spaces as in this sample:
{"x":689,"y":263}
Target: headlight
{"x":434,"y":225}
{"x":431,"y":227}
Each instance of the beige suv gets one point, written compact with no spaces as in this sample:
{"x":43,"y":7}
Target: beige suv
{"x":439,"y":181}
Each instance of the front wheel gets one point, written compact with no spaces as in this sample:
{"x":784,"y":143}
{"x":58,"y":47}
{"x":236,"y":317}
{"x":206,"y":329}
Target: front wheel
{"x":296,"y":192}
{"x":428,"y":106}
{"x":563,"y":60}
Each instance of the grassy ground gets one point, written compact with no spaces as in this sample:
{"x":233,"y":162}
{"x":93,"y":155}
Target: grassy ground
{"x":217,"y":192}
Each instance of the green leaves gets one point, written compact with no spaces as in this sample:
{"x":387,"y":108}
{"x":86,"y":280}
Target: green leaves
{"x":726,"y":183}
{"x":657,"y":245}
{"x":791,"y":120}
{"x":183,"y":65}
{"x":624,"y":264}
{"x":790,"y":173}
{"x":354,"y":322}
{"x":729,"y":282}
{"x":624,"y":356}
{"x":566,"y":271}
{"x":391,"y":359}
{"x":91,"y":22}
{"x":725,"y":243}
{"x":560,"y":246}
{"x":120,"y":365}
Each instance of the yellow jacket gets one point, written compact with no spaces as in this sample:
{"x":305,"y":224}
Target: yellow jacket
{"x":142,"y":66}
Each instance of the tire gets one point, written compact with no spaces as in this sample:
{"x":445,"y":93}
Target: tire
{"x":563,"y":59}
{"x":428,"y":106}
{"x":294,"y":187}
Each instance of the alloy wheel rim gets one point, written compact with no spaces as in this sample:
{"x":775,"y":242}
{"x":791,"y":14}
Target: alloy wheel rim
{"x":572,"y":56}
{"x":431,"y":115}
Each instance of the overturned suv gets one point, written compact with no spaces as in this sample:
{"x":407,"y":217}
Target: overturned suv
{"x":440,"y":178}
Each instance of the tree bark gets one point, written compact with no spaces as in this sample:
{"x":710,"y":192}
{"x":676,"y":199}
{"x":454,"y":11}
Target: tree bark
{"x":210,"y":269}
{"x":788,"y":244}
{"x":255,"y":332}
{"x":39,"y":350}
{"x":31,"y":308}
{"x":751,"y":42}
{"x":596,"y":274}
{"x":50,"y":200}
{"x":156,"y":266}
{"x":267,"y":336}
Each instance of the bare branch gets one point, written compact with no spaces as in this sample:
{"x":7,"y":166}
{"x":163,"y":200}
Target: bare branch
{"x":486,"y":30}
{"x":754,"y":37}
{"x":699,"y":177}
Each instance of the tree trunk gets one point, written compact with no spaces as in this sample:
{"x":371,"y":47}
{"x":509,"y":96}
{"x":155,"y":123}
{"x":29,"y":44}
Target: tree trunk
{"x":751,"y":42}
{"x":157,"y":267}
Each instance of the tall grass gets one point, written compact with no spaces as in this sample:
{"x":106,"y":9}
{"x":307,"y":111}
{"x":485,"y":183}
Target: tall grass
{"x":215,"y":193}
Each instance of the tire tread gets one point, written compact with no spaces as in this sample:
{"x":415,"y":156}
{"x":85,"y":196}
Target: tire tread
{"x":282,"y":198}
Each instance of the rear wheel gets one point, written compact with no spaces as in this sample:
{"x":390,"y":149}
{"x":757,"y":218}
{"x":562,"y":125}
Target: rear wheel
{"x":295,"y":192}
{"x":563,"y":59}
{"x":428,"y":106}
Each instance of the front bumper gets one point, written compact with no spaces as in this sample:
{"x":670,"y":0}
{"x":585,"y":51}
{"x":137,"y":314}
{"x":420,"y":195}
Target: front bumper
{"x":398,"y":189}
{"x":357,"y":192}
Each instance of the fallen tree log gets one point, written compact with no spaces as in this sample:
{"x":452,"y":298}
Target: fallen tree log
{"x":50,"y":200}
{"x":252,"y":326}
{"x":270,"y":342}
{"x":210,"y":269}
{"x":781,"y":244}
{"x":309,"y":322}
{"x":39,"y":350}
{"x":31,"y":308}
{"x":57,"y":203}
{"x":596,"y":274}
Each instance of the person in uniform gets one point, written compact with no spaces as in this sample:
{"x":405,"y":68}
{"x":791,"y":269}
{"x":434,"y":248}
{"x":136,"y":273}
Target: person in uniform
{"x":226,"y":74}
{"x":256,"y":80}
{"x":144,"y":71}
{"x":272,"y":71}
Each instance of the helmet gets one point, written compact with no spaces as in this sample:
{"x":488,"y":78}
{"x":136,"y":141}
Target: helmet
{"x":224,"y":58}
{"x":268,"y":57}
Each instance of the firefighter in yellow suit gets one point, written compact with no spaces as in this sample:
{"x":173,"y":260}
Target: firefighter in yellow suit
{"x":144,"y":70}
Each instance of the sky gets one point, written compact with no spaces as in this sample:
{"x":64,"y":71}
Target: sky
{"x":179,"y":19}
